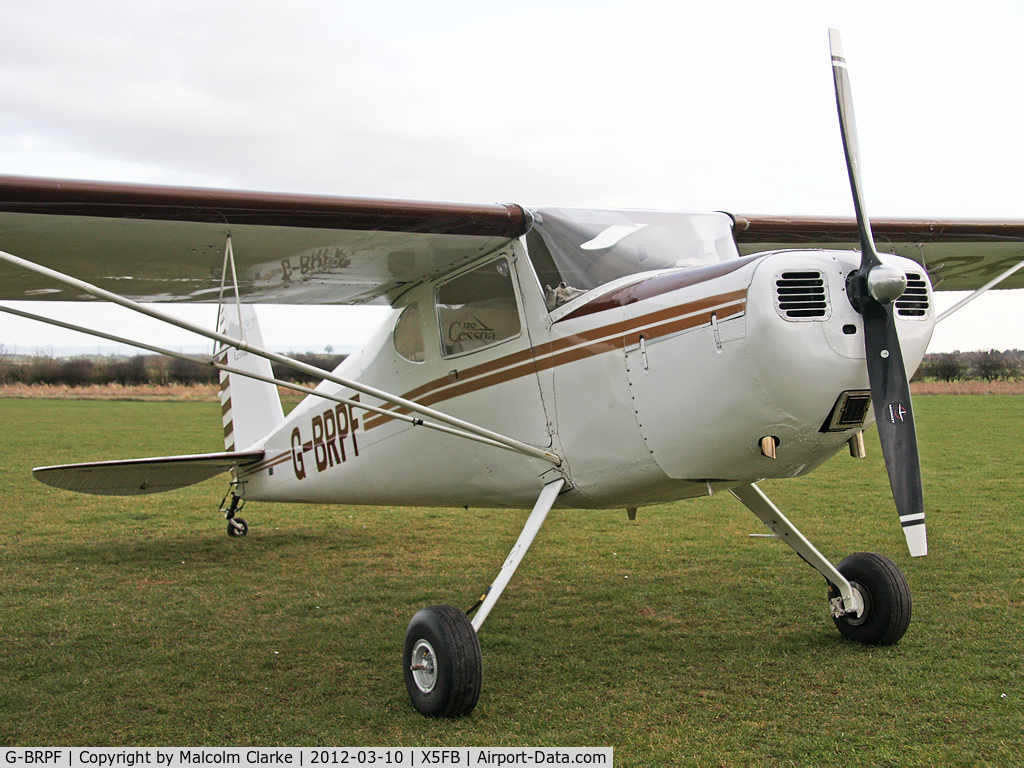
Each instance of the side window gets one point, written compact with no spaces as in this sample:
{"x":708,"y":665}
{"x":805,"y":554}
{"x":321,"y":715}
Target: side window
{"x":477,"y":309}
{"x":409,"y":334}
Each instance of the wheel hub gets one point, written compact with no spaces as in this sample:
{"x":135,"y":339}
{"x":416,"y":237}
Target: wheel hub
{"x":856,"y":619}
{"x":424,"y":666}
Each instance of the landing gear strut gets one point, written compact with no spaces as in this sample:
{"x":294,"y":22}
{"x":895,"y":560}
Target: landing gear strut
{"x":868,"y":594}
{"x":442,"y":660}
{"x":236,"y":525}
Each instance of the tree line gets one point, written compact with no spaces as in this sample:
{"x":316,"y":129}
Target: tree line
{"x":991,"y":365}
{"x":140,"y":370}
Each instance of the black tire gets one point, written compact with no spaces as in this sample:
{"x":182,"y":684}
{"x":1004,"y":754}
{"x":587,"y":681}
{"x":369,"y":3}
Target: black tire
{"x":886,"y":599}
{"x":447,"y":654}
{"x":234,"y":530}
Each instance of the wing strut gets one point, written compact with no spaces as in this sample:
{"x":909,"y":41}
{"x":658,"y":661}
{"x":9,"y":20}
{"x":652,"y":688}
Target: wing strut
{"x":461,"y":428}
{"x":249,"y":374}
{"x":990,"y":284}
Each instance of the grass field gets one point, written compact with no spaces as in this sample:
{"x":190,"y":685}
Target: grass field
{"x":673,"y":638}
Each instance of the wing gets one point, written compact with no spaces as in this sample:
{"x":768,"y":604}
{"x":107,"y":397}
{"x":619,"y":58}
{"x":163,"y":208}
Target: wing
{"x":959,"y":255}
{"x":167,"y":244}
{"x":133,"y":477}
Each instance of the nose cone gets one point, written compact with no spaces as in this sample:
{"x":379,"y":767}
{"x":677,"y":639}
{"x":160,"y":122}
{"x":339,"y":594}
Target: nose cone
{"x":886,"y":283}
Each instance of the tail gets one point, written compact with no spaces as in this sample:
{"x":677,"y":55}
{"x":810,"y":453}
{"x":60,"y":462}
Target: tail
{"x":250,"y":408}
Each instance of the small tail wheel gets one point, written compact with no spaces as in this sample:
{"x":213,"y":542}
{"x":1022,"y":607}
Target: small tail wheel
{"x":886,"y":596}
{"x":237,"y":527}
{"x":442,"y":662}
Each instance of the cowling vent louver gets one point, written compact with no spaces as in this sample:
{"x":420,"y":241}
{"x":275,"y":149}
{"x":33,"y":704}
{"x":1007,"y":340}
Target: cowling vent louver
{"x":802,"y":295}
{"x":914,"y":301}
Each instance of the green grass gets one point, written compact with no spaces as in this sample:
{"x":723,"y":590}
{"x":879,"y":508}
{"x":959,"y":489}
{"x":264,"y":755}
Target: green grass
{"x":674,"y":638}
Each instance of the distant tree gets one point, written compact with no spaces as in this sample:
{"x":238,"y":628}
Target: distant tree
{"x":945,"y":366}
{"x":76,"y":373}
{"x":43,"y":370}
{"x":185,"y":372}
{"x":130,"y":373}
{"x":1014,"y":363}
{"x":990,"y":366}
{"x":7,"y":368}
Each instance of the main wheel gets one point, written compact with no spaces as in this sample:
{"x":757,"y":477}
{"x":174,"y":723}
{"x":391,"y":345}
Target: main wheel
{"x":237,"y":527}
{"x":442,"y":661}
{"x":886,"y":596}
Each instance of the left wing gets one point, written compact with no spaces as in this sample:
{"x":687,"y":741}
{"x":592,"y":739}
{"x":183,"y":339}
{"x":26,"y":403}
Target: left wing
{"x":154,"y":243}
{"x":958,"y":254}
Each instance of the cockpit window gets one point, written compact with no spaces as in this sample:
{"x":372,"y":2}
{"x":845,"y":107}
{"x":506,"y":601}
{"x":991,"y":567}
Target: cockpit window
{"x":574,"y":251}
{"x":409,"y":334}
{"x":477,"y":309}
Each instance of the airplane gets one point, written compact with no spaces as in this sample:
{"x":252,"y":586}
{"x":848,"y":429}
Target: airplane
{"x":534,"y":358}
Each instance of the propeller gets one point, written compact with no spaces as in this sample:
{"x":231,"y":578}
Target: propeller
{"x":872,"y":289}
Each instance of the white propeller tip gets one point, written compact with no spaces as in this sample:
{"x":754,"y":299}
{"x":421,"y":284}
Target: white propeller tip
{"x":835,"y":42}
{"x":917,"y":540}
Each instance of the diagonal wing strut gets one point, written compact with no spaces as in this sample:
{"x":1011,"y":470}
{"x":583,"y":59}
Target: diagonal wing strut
{"x":455,"y":426}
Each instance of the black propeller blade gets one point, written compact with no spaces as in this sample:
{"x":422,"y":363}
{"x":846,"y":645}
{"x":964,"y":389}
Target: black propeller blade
{"x":872,"y":290}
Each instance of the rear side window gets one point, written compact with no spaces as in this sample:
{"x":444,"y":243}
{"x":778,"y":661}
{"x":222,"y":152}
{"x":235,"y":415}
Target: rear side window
{"x":409,"y":334}
{"x":477,"y":309}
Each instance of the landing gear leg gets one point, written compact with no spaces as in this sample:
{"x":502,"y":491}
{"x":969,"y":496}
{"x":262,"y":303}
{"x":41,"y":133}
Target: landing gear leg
{"x":868,"y":595}
{"x":236,"y":525}
{"x":442,"y":659}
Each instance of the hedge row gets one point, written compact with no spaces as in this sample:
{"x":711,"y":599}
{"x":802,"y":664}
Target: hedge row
{"x":158,"y":369}
{"x":992,"y":365}
{"x":136,"y":371}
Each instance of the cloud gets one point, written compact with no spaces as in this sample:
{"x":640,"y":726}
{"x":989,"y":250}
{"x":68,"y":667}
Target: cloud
{"x":724,"y":106}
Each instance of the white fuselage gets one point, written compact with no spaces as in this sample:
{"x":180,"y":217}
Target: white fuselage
{"x":652,"y":387}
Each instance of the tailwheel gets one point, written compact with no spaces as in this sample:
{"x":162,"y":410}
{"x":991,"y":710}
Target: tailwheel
{"x":236,"y":525}
{"x":886,"y":595}
{"x":442,"y":662}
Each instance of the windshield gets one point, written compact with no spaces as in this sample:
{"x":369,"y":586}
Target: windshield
{"x":577,"y":250}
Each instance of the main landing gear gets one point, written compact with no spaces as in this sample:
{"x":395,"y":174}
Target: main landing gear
{"x":442,"y":660}
{"x":236,"y":525}
{"x":868,"y":595}
{"x":886,"y":596}
{"x":443,"y":664}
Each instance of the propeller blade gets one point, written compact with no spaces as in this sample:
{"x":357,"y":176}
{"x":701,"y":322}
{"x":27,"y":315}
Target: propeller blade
{"x":872,"y":289}
{"x":851,"y":148}
{"x":894,"y":417}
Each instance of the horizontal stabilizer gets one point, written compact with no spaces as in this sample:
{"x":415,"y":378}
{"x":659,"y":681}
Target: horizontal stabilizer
{"x":132,"y":477}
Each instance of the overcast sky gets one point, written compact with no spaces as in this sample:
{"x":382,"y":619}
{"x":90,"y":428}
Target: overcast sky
{"x":687,"y":106}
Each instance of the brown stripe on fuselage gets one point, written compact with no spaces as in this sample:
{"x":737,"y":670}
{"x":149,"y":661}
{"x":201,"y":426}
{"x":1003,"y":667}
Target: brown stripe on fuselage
{"x":273,"y":461}
{"x":555,"y":346}
{"x":577,"y":346}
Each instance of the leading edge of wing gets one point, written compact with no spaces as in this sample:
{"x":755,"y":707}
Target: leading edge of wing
{"x":154,"y":243}
{"x":67,"y":197}
{"x":958,"y":254}
{"x":133,"y":477}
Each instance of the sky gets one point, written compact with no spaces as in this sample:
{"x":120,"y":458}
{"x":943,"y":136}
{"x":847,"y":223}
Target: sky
{"x":669,"y":105}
